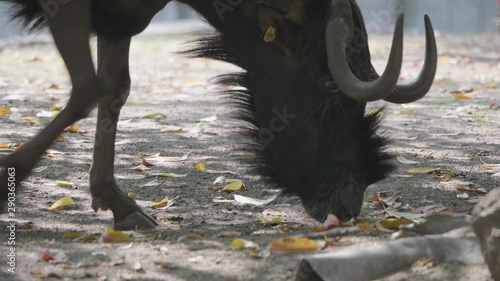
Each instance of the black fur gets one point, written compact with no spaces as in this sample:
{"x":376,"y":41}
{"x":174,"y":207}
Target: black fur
{"x":311,"y":142}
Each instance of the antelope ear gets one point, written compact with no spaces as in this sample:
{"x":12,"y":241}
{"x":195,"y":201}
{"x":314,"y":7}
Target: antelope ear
{"x":275,"y":26}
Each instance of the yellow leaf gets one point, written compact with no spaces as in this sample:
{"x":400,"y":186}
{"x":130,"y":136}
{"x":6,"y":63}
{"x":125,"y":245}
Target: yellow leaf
{"x":131,"y":195}
{"x":275,"y":220}
{"x":200,"y":167}
{"x":172,"y":130}
{"x":234,"y":186}
{"x":75,"y":129}
{"x":64,"y":183}
{"x":112,"y":236}
{"x":405,"y":112}
{"x":464,"y":97}
{"x":292,"y":245}
{"x":153,"y":116}
{"x":422,"y":170}
{"x":365,"y":226}
{"x":159,"y":204}
{"x":381,"y":228}
{"x":62,"y":203}
{"x":243,"y":244}
{"x":255,"y":255}
{"x":32,"y":120}
{"x":491,"y":85}
{"x":444,"y":59}
{"x":392,"y":223}
{"x":4,"y":111}
{"x":71,"y":235}
{"x":488,"y":164}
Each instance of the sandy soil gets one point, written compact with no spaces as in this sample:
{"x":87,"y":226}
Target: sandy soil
{"x":458,"y":133}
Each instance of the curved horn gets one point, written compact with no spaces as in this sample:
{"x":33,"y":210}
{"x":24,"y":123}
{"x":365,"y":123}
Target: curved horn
{"x":419,"y":87}
{"x":339,"y":33}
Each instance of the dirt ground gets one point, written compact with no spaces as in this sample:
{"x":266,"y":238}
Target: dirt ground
{"x":455,"y":129}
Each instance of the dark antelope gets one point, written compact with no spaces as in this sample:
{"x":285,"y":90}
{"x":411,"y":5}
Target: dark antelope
{"x":308,"y":77}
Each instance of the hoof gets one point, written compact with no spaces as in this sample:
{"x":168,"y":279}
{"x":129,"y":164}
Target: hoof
{"x":135,"y":220}
{"x":97,"y":203}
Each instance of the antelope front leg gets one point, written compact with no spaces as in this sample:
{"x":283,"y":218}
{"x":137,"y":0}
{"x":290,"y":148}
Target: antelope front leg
{"x":113,"y":73}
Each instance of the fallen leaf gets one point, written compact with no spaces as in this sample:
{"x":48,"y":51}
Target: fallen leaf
{"x":145,"y":162}
{"x":255,"y":255}
{"x":171,"y":175}
{"x":222,"y":180}
{"x":254,"y":201}
{"x":422,"y":170}
{"x":431,"y":209}
{"x":393,"y":224}
{"x":74,"y":128}
{"x":39,"y":169}
{"x":292,"y":245}
{"x":153,"y":116}
{"x":207,"y":119}
{"x":462,"y":91}
{"x":154,"y":182}
{"x":381,"y":228}
{"x":130,"y":177}
{"x":478,"y":190}
{"x":47,"y":257}
{"x":113,"y":236}
{"x":156,"y":159}
{"x":63,"y":183}
{"x":47,"y":114}
{"x":71,"y":235}
{"x":491,"y":85}
{"x":234,"y":186}
{"x":31,"y":120}
{"x":406,"y":215}
{"x":230,"y":234}
{"x":464,"y":97}
{"x":444,"y":59}
{"x":232,"y":222}
{"x":243,"y":244}
{"x":403,"y":160}
{"x":5,"y":110}
{"x":200,"y":167}
{"x":62,"y":203}
{"x":381,"y":198}
{"x":365,"y":227}
{"x":144,"y":203}
{"x":275,"y":220}
{"x":141,"y":168}
{"x":160,"y":204}
{"x":405,"y":112}
{"x":55,"y":152}
{"x":489,"y":165}
{"x":172,"y":130}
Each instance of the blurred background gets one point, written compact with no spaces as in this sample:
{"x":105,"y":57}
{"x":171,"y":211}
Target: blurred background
{"x":448,"y":16}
